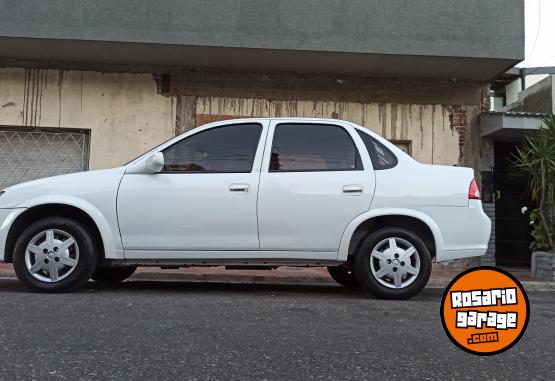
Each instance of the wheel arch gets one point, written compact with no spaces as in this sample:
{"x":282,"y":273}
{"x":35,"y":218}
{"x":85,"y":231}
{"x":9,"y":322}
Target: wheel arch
{"x":413,"y":220}
{"x":78,"y":209}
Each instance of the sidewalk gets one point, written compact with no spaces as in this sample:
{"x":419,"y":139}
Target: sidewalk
{"x":441,"y":275}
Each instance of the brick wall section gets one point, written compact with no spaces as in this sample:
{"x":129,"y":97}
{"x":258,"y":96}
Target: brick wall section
{"x":485,"y":104}
{"x":457,"y":119}
{"x":166,"y":84}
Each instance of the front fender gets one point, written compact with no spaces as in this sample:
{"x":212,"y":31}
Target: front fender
{"x":355,"y":223}
{"x":7,"y":217}
{"x":108,"y":229}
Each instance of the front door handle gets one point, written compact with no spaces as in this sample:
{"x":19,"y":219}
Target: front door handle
{"x":352,"y":189}
{"x":239,"y":188}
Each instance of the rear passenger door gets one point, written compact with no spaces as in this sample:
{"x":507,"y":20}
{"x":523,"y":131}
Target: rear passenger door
{"x":316,"y":177}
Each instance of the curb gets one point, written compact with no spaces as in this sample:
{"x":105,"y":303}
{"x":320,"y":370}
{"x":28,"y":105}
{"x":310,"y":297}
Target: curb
{"x":539,"y":286}
{"x":292,"y":280}
{"x":281,"y":280}
{"x":231,"y":278}
{"x":252,"y":279}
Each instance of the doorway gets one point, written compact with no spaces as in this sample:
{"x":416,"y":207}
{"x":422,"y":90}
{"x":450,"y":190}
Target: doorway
{"x":512,"y":228}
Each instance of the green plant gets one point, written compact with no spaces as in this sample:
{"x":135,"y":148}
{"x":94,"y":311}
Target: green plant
{"x":535,"y":159}
{"x":540,"y":237}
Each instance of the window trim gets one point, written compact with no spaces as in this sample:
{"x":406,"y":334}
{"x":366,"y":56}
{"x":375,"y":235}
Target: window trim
{"x":163,"y":171}
{"x":314,"y":170}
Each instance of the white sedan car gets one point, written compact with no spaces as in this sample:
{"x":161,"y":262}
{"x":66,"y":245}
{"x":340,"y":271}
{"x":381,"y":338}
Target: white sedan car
{"x":249,"y":193}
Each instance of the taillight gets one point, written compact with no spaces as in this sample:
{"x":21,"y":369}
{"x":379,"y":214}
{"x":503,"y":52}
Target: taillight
{"x":473,"y":191}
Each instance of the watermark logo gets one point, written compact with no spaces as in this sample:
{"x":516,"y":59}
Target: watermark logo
{"x":485,"y":310}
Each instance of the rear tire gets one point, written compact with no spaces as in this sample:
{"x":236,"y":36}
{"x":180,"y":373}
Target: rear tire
{"x":393,"y":263}
{"x":55,"y":254}
{"x":112,"y":274}
{"x":344,"y":276}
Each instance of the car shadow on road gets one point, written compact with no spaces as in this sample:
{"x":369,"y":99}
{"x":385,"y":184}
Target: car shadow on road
{"x":200,"y":287}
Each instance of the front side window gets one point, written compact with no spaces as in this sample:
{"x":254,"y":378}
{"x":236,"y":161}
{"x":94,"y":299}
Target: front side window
{"x":382,"y":158}
{"x":221,"y":149}
{"x":313,"y":147}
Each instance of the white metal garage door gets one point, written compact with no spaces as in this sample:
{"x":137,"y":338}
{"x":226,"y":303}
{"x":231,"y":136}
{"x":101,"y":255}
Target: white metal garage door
{"x":27,"y":154}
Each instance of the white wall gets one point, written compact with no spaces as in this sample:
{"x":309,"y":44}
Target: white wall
{"x":124,"y":112}
{"x":427,"y":127}
{"x":512,"y":90}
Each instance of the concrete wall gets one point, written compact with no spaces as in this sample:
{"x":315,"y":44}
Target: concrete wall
{"x":512,"y":90}
{"x":346,"y":88}
{"x":471,"y":28}
{"x":437,"y":117}
{"x":427,"y":127}
{"x":514,"y":93}
{"x":124,"y":112}
{"x":531,"y":80}
{"x":538,"y":97}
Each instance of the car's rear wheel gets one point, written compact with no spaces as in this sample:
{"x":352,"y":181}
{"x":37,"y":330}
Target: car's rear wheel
{"x":393,"y":263}
{"x":112,"y":274}
{"x":55,"y":254}
{"x":344,"y":276}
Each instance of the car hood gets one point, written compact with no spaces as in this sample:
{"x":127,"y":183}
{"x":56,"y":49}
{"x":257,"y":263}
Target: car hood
{"x":83,"y":185}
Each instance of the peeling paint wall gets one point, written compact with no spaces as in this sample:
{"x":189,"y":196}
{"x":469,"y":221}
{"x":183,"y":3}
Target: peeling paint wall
{"x":428,"y":127}
{"x":124,"y":112}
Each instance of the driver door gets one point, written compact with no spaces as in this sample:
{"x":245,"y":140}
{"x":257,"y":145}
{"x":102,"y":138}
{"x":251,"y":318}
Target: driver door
{"x":203,"y":200}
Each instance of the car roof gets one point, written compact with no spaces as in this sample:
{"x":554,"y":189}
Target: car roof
{"x":302,"y":119}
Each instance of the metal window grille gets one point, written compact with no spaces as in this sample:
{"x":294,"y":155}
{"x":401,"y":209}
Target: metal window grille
{"x":28,"y":154}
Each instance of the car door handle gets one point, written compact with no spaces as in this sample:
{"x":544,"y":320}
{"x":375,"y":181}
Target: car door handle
{"x":239,"y":188}
{"x":352,"y":189}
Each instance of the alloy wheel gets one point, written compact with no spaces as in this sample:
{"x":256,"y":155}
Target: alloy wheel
{"x":395,"y":262}
{"x":52,"y":255}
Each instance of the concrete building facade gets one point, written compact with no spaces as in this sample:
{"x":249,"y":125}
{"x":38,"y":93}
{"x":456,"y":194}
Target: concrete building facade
{"x":95,"y":84}
{"x":127,"y":113}
{"x":521,"y":99}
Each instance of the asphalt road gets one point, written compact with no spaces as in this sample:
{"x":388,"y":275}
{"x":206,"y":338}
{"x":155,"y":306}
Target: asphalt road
{"x":158,"y":330}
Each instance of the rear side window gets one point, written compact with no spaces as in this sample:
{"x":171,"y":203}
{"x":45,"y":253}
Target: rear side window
{"x":382,"y":158}
{"x":221,"y":149}
{"x":313,"y":147}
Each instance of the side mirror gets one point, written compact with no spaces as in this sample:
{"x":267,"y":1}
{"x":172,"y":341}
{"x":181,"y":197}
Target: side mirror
{"x":155,"y":162}
{"x":152,"y":164}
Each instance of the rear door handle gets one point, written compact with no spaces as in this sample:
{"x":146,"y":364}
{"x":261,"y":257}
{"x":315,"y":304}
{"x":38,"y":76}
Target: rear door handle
{"x":350,"y":189}
{"x":239,"y":188}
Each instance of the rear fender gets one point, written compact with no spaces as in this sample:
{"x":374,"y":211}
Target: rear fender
{"x":355,"y":223}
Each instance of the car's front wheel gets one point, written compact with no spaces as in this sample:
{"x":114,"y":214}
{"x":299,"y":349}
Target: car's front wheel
{"x":55,"y":254}
{"x":393,"y":263}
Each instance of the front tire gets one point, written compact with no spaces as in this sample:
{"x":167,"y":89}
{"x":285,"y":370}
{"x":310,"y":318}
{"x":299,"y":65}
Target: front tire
{"x":112,"y":274}
{"x":393,"y":263}
{"x":55,"y":254}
